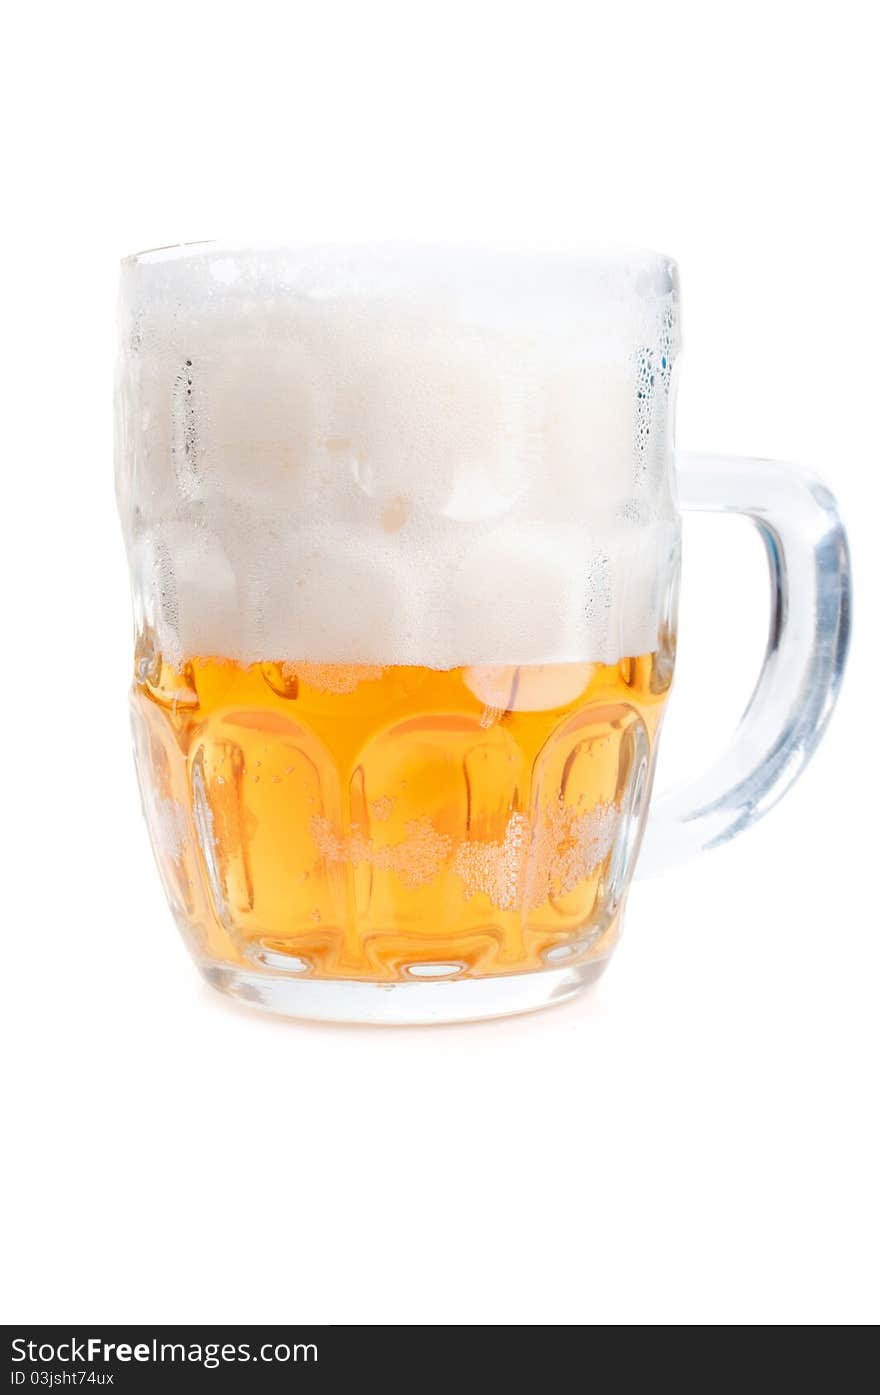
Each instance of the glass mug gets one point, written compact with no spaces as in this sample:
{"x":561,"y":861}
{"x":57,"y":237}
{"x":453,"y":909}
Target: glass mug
{"x":403,"y":529}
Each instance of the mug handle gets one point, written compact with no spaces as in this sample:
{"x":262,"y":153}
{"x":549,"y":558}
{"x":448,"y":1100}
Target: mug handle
{"x":810,"y":603}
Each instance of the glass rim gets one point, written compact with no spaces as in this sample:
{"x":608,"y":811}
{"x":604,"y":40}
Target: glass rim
{"x":575,"y":253}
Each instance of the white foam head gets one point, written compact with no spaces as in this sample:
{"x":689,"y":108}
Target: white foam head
{"x":397,"y":455}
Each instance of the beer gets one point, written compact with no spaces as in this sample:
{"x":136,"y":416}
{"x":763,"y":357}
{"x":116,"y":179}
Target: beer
{"x":404,"y":552}
{"x":374,"y":822}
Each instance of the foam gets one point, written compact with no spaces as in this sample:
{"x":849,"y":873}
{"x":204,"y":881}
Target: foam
{"x":395,"y":456}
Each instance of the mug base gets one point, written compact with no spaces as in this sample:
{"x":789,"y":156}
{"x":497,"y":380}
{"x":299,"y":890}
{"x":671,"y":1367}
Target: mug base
{"x":423,"y":1003}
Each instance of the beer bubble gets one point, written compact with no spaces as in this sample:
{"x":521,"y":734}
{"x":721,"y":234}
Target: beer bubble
{"x":282,"y":679}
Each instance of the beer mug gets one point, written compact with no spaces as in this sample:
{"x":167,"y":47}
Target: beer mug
{"x":403,"y":530}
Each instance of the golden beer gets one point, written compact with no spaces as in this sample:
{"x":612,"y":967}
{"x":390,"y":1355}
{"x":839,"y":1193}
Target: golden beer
{"x":404,"y":551}
{"x":385,"y":823}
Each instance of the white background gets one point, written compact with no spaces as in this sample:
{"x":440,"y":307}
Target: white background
{"x":697,"y":1140}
